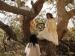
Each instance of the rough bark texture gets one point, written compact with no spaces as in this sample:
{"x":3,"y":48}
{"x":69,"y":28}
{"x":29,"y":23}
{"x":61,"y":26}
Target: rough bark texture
{"x":26,"y":29}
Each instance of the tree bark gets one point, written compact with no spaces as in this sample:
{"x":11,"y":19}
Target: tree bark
{"x":63,"y":18}
{"x":26,"y":29}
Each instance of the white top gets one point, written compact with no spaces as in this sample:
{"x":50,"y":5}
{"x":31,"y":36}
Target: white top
{"x":31,"y":50}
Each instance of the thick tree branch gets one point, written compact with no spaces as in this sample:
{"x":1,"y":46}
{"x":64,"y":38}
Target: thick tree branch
{"x":37,"y":7}
{"x":72,"y":13}
{"x":8,"y":8}
{"x":60,"y":7}
{"x":8,"y":31}
{"x":62,"y":18}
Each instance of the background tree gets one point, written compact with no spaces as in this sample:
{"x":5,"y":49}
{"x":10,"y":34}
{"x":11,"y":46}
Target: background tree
{"x":63,"y":17}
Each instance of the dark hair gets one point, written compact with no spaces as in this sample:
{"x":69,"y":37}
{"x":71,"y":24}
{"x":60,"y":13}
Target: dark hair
{"x":33,"y":39}
{"x":49,"y":15}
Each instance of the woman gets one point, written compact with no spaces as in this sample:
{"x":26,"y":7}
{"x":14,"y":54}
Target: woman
{"x":32,"y":48}
{"x":51,"y":27}
{"x":50,"y":31}
{"x":49,"y":36}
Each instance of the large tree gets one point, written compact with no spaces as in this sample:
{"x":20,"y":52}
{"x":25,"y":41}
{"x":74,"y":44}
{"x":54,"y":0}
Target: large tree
{"x":27,"y":15}
{"x":63,"y":15}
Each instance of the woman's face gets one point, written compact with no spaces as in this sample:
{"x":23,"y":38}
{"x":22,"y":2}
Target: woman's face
{"x":48,"y":16}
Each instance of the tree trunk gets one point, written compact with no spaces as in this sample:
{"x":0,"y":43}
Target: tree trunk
{"x":63,"y":18}
{"x":62,"y":26}
{"x":25,"y":27}
{"x":26,"y":30}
